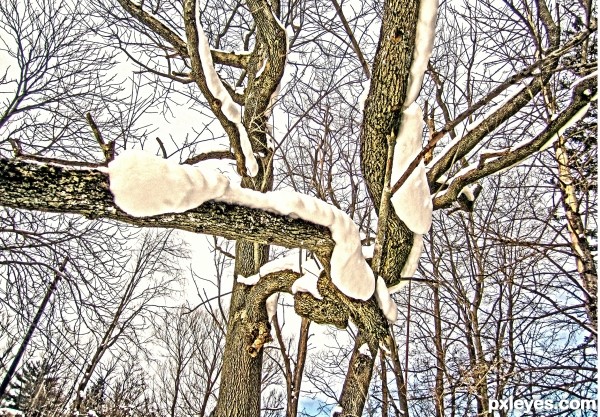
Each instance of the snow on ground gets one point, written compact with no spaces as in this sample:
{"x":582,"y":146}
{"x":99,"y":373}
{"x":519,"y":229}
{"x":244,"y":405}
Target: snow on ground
{"x":146,"y":185}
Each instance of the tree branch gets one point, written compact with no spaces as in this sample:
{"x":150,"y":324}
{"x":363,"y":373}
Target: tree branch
{"x":53,"y":188}
{"x":583,"y":93}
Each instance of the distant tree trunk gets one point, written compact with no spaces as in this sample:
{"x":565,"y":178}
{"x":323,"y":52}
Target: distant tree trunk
{"x":32,"y":328}
{"x":579,"y":243}
{"x":384,"y":389}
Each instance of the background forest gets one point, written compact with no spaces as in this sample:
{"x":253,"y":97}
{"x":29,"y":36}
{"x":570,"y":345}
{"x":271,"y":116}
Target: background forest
{"x":109,"y":319}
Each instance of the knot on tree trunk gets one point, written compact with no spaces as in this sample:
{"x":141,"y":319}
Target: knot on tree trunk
{"x":258,"y":335}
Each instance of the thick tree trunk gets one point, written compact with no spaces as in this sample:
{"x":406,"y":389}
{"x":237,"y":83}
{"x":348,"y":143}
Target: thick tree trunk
{"x":240,"y":389}
{"x":358,"y":379}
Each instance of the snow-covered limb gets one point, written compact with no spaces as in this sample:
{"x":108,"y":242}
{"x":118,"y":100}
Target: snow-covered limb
{"x":412,"y":201}
{"x":230,"y":108}
{"x":145,"y":185}
{"x":423,"y":46}
{"x":501,"y":88}
{"x":307,"y":283}
{"x":583,"y":93}
{"x":385,"y":301}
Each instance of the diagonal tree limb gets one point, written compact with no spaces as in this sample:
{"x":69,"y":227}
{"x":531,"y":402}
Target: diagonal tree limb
{"x":583,"y":93}
{"x":156,"y":26}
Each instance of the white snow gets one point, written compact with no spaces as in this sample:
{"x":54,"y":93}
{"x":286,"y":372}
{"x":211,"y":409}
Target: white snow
{"x":11,"y":412}
{"x":423,"y":46}
{"x":410,"y":267}
{"x":146,"y":185}
{"x":271,"y":305}
{"x":384,"y":348}
{"x":587,"y":77}
{"x":364,"y":350}
{"x":307,"y":283}
{"x":368,"y":251}
{"x":510,"y":97}
{"x":251,"y":280}
{"x":468,"y":193}
{"x":230,"y":108}
{"x":412,"y":201}
{"x":365,"y":93}
{"x":385,"y":301}
{"x":446,"y":149}
{"x":262,"y":68}
{"x":291,"y":262}
{"x":576,"y":117}
{"x":336,"y":410}
{"x":471,"y":126}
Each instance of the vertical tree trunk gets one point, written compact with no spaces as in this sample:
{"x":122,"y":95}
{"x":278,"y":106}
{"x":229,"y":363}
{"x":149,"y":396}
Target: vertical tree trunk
{"x":358,"y":379}
{"x":240,"y":389}
{"x":579,"y":243}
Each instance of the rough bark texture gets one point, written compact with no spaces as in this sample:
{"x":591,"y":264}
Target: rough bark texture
{"x":382,"y":115}
{"x":583,"y":93}
{"x":577,"y":232}
{"x":358,"y":379}
{"x":59,"y":189}
{"x":240,"y":389}
{"x":383,"y":110}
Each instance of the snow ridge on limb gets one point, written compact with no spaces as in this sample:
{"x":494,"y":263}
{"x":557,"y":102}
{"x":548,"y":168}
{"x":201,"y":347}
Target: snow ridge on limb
{"x":230,"y":108}
{"x":146,"y":185}
{"x":583,"y":93}
{"x":306,"y":283}
{"x":412,"y":201}
{"x":385,"y":301}
{"x":423,"y":47}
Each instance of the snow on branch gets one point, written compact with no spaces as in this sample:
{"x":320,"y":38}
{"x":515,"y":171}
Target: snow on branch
{"x":584,"y":91}
{"x":307,"y":282}
{"x":424,"y":38}
{"x":146,"y":185}
{"x":229,"y":107}
{"x":412,"y":201}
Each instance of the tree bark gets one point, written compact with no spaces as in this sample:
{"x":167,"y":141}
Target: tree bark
{"x":579,"y":243}
{"x":60,"y":189}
